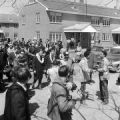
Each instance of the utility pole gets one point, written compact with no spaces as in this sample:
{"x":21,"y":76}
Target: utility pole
{"x":86,"y":6}
{"x":117,"y":4}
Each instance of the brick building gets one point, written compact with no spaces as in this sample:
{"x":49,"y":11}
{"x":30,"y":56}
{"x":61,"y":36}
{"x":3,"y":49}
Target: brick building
{"x":8,"y":26}
{"x":50,"y":19}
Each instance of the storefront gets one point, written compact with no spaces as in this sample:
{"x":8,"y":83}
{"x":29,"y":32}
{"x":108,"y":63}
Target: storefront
{"x":82,"y":33}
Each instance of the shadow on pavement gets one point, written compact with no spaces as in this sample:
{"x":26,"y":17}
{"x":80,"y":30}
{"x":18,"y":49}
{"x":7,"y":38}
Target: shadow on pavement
{"x":3,"y":87}
{"x":2,"y":117}
{"x":31,"y":93}
{"x":98,"y":95}
{"x":45,"y":84}
{"x":32,"y":107}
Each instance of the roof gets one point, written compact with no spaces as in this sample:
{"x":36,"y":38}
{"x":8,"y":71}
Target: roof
{"x":8,"y":18}
{"x":82,"y":9}
{"x":80,"y":28}
{"x":117,"y":30}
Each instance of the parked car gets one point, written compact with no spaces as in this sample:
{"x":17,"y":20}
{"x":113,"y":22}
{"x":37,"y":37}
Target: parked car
{"x":114,"y":58}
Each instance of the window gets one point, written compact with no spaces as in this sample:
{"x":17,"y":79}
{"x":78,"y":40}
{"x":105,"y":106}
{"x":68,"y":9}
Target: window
{"x":7,"y":25}
{"x":15,"y":35}
{"x":55,"y":36}
{"x":7,"y":35}
{"x":37,"y":17}
{"x":23,"y":19}
{"x":106,"y":22}
{"x":38,"y":35}
{"x":55,"y":17}
{"x":15,"y":25}
{"x":95,"y":21}
{"x":105,"y":36}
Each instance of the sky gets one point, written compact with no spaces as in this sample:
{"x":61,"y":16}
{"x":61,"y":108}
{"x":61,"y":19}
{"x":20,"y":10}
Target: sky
{"x":6,"y":7}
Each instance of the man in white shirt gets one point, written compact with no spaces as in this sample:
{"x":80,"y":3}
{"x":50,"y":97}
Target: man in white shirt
{"x":53,"y":72}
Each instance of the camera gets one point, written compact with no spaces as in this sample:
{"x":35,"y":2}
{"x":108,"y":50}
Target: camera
{"x":74,"y":87}
{"x":71,"y":86}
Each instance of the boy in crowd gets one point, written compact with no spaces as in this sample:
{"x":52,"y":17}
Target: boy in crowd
{"x":16,"y":103}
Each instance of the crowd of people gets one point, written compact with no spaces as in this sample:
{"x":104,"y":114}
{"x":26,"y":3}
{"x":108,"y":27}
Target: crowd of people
{"x":19,"y":59}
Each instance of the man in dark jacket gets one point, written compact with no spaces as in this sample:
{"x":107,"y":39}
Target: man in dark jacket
{"x":38,"y":68}
{"x":50,"y":58}
{"x":3,"y":62}
{"x":16,"y":103}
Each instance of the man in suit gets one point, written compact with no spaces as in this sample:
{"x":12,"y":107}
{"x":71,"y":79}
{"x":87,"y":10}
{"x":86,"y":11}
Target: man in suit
{"x":38,"y":68}
{"x":16,"y":103}
{"x":49,"y":59}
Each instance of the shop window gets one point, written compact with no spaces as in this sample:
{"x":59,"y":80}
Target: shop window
{"x":105,"y":36}
{"x":55,"y":36}
{"x":38,"y":17}
{"x":38,"y":35}
{"x":55,"y":17}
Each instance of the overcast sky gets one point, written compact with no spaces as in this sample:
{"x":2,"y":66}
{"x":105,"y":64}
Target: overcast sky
{"x":6,"y":7}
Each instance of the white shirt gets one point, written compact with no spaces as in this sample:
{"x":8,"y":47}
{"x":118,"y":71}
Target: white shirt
{"x":84,"y":64}
{"x":53,"y":73}
{"x":22,"y":85}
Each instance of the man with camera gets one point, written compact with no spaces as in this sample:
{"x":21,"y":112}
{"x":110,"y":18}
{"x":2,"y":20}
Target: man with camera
{"x":60,"y":104}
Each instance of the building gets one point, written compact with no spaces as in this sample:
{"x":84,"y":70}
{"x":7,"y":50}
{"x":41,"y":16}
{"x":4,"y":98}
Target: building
{"x":8,"y":26}
{"x":57,"y":20}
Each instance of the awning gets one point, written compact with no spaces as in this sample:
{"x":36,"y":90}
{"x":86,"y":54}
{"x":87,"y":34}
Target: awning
{"x":80,"y":28}
{"x":117,"y":30}
{"x":1,"y":31}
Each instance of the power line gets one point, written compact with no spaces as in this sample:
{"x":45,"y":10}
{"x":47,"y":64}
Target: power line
{"x":108,"y":2}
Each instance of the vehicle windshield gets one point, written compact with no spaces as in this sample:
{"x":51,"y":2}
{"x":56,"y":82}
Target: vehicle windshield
{"x":115,"y":50}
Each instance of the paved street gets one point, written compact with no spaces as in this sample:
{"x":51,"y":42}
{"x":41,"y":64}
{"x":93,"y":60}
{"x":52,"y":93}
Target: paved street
{"x":91,"y":110}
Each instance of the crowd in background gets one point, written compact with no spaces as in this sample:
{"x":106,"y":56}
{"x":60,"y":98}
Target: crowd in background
{"x":19,"y":58}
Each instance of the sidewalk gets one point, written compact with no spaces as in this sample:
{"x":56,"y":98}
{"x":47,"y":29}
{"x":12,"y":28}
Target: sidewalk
{"x":93,"y":109}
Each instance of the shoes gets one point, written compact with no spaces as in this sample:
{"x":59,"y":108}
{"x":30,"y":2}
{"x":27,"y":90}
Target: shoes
{"x":105,"y":102}
{"x":91,"y":81}
{"x":39,"y":87}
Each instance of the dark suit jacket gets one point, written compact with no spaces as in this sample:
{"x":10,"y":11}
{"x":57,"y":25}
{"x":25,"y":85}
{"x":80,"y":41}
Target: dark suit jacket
{"x":38,"y":67}
{"x":48,"y":62}
{"x":16,"y":105}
